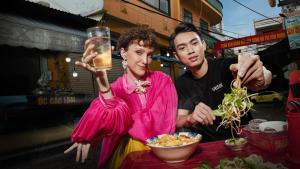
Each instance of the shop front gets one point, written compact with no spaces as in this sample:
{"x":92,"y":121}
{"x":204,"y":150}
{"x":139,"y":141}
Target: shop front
{"x":42,"y":93}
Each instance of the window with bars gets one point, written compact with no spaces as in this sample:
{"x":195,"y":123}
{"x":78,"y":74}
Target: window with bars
{"x":203,"y":25}
{"x":161,"y":5}
{"x":187,"y":16}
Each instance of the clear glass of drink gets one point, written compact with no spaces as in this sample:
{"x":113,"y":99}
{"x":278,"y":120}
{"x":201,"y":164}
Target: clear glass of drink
{"x":101,"y":39}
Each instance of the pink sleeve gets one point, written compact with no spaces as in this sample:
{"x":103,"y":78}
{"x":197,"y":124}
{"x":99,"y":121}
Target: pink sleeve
{"x":103,"y":117}
{"x":170,"y":100}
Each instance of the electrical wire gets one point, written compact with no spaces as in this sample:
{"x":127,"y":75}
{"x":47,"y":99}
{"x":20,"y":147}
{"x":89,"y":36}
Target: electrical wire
{"x":241,"y":24}
{"x":221,"y":29}
{"x":179,"y":20}
{"x":255,"y":11}
{"x":203,"y":29}
{"x":231,"y":32}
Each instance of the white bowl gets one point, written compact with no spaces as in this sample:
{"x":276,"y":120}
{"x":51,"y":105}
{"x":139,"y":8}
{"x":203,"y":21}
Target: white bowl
{"x":273,"y":126}
{"x":174,"y":153}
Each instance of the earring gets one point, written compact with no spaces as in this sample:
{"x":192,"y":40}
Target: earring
{"x":124,"y":64}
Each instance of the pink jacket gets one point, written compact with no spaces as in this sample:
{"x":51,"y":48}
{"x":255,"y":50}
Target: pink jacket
{"x":124,"y":114}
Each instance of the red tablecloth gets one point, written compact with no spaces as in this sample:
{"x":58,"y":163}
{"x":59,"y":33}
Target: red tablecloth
{"x":212,"y":152}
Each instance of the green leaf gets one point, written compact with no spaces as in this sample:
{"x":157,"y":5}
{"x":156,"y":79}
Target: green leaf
{"x":205,"y":165}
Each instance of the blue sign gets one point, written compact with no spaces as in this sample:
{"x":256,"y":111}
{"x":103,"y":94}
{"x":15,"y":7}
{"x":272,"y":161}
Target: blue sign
{"x":292,"y":25}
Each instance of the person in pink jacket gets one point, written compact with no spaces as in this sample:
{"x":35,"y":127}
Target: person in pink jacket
{"x":139,"y":105}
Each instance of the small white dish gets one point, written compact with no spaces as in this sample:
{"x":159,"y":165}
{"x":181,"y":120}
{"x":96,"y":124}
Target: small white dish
{"x":273,"y":126}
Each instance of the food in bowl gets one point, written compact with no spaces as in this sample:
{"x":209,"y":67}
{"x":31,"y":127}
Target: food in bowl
{"x":175,"y":147}
{"x":236,"y":144}
{"x":173,"y":140}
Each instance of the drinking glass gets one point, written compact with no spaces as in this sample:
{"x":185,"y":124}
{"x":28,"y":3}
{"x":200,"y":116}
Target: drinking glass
{"x":101,"y":39}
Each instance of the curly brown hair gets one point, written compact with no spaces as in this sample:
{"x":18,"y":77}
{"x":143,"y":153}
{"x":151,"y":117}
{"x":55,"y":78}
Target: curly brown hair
{"x":137,"y":34}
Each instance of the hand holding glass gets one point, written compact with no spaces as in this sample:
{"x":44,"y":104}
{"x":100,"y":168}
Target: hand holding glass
{"x":101,"y":39}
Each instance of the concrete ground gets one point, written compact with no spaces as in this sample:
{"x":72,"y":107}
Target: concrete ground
{"x":54,"y":159}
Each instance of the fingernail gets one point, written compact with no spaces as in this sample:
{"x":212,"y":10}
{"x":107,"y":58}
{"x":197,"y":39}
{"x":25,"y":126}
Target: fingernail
{"x":241,"y":73}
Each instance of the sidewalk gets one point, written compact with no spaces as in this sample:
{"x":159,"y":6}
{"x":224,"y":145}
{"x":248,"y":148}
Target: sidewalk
{"x":57,"y":160}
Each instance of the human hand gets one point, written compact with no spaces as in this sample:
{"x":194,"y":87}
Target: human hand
{"x":82,"y":151}
{"x":250,"y":69}
{"x":88,"y":56}
{"x":202,"y":114}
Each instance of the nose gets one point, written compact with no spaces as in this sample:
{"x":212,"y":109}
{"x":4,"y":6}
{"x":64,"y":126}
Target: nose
{"x":190,"y":49}
{"x":145,"y":59}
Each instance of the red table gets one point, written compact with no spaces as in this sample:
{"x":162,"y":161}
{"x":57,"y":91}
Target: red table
{"x":212,"y":152}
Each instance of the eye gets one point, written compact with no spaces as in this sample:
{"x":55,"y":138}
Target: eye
{"x":181,"y":48}
{"x":195,"y":42}
{"x":139,"y":52}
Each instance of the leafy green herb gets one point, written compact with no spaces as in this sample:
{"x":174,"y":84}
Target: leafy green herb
{"x":204,"y":165}
{"x":236,"y":141}
{"x":234,"y":106}
{"x":253,"y":161}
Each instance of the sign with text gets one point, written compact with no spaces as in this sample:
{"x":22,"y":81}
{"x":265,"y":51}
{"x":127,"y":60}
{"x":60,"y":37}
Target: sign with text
{"x":292,"y":24}
{"x":259,"y":38}
{"x":55,"y":100}
{"x":274,"y":36}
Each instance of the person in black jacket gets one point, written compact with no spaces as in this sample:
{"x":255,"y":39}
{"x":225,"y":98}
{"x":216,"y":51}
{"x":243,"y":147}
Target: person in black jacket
{"x":201,"y":89}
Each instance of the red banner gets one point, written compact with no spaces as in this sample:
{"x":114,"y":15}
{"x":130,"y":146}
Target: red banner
{"x":259,"y":38}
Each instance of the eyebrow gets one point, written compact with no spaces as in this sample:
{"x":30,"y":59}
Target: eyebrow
{"x":186,"y":43}
{"x":140,"y":48}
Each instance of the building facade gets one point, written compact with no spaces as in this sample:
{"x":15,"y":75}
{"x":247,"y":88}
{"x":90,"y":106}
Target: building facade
{"x":160,"y":15}
{"x":163,"y":16}
{"x":265,"y":26}
{"x":291,"y":11}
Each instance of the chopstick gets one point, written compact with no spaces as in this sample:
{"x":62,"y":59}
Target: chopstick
{"x":238,"y":82}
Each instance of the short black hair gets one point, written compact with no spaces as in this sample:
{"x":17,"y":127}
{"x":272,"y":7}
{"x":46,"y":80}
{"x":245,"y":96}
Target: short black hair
{"x":180,"y":28}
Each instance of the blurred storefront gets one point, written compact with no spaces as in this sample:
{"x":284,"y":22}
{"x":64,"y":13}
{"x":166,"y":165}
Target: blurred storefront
{"x":40,"y":100}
